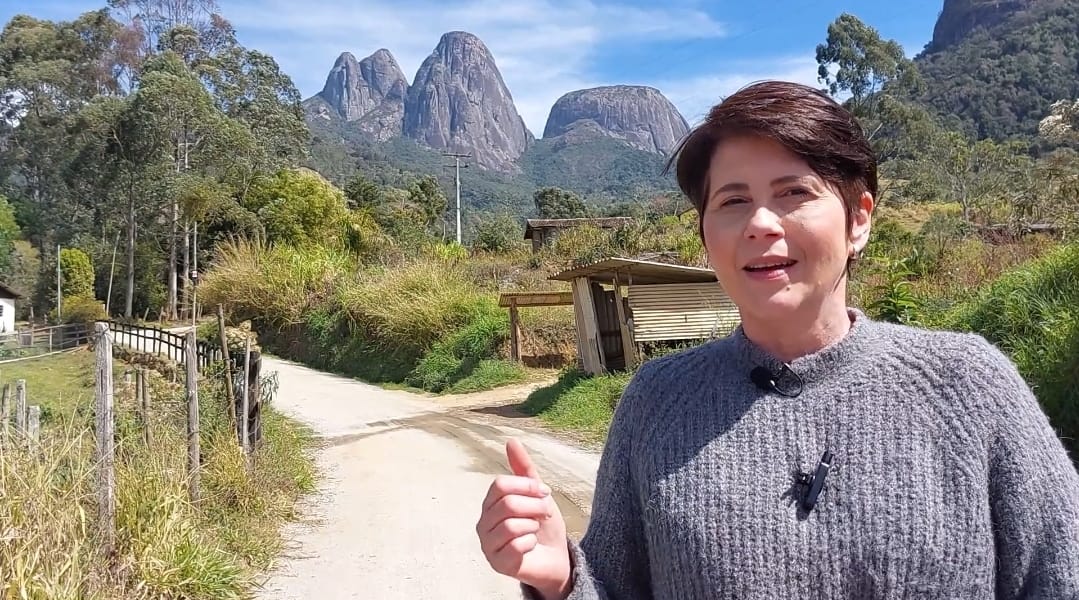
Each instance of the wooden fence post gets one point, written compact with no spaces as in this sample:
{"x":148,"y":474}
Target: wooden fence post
{"x":20,"y":406}
{"x":106,"y":448}
{"x":33,"y":426}
{"x":245,"y":418}
{"x":5,"y":413}
{"x":144,"y":403}
{"x":193,"y":458}
{"x":229,"y":398}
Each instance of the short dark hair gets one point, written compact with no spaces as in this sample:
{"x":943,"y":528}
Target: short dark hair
{"x":805,"y":120}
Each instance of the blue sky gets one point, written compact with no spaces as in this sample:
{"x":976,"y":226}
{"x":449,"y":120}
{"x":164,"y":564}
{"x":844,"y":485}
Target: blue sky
{"x":694,"y":51}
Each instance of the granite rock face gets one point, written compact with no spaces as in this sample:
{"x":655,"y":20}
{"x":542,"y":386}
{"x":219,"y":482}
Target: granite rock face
{"x":640,"y":116}
{"x":458,"y":102}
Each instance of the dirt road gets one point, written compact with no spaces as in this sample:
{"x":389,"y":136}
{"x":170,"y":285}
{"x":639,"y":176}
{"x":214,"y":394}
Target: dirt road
{"x":403,"y":477}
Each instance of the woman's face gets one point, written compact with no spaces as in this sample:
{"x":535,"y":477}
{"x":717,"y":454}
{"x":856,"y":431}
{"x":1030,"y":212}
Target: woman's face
{"x":775,"y":231}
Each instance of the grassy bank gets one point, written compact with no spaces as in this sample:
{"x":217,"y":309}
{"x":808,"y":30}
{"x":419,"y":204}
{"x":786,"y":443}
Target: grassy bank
{"x":167,"y":547}
{"x":431,"y":323}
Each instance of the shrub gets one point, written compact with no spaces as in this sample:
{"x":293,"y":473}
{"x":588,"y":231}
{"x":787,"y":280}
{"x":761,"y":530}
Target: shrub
{"x":1030,"y":313}
{"x":77,"y":273}
{"x":81,"y":309}
{"x":458,"y":354}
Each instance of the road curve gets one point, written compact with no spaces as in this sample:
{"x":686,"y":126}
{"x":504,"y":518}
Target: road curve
{"x":402,"y":480}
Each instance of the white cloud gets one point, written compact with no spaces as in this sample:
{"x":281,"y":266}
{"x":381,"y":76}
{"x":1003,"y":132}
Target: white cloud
{"x":694,"y":96}
{"x":542,"y":47}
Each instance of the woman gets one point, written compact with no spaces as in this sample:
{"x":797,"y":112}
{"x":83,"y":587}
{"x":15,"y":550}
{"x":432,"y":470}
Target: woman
{"x":813,"y":453}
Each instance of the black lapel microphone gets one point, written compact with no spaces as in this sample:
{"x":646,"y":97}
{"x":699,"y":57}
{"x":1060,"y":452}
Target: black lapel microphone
{"x":767,"y":381}
{"x":815,"y":481}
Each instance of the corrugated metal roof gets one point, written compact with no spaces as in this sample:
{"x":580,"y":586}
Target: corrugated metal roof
{"x":681,"y":312}
{"x":642,"y":272}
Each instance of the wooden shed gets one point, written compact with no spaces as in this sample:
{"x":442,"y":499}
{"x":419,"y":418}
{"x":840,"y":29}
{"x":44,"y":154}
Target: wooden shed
{"x":544,"y":231}
{"x":662,"y":302}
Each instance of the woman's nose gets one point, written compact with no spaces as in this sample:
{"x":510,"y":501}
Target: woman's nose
{"x":763,"y":222}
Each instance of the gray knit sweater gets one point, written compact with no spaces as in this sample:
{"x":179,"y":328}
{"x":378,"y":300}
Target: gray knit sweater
{"x":947,"y":482}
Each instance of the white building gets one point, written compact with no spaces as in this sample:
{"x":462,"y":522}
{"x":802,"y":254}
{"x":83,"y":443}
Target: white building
{"x":8,"y":297}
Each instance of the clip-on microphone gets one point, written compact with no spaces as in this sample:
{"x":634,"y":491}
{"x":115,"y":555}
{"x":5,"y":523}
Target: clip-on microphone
{"x":815,"y":481}
{"x":766,"y":380}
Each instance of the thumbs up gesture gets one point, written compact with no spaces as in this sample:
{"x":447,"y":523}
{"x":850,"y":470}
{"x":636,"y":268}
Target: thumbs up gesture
{"x":522,"y":532}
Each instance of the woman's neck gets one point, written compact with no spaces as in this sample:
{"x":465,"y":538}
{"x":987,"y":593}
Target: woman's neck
{"x":804,"y":332}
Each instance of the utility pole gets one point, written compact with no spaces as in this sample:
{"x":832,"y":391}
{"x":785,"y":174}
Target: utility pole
{"x":457,"y":181}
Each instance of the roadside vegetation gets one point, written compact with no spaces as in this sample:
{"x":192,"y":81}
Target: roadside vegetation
{"x":166,"y":546}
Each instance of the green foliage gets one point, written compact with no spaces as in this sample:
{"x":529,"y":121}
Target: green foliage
{"x":363,"y":193}
{"x":1030,"y":313}
{"x":455,"y":356}
{"x":81,"y":309}
{"x":895,"y":300}
{"x":500,"y":233}
{"x":9,"y":232}
{"x":863,"y":62}
{"x":76,"y":274}
{"x":999,"y":81}
{"x":299,"y":207}
{"x":556,"y":203}
{"x":578,"y":402}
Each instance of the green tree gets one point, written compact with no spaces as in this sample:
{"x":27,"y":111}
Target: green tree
{"x":426,"y":195}
{"x":9,"y":232}
{"x":499,"y":233}
{"x":556,"y":203}
{"x":864,"y":63}
{"x":76,"y":274}
{"x":362,"y":193}
{"x":300,"y":207}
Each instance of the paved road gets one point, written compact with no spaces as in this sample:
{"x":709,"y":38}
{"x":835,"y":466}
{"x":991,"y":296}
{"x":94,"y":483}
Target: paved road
{"x":403,"y":480}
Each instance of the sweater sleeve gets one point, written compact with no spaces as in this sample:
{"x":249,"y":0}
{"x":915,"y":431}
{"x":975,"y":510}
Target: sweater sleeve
{"x":1033,"y":489}
{"x":611,"y":561}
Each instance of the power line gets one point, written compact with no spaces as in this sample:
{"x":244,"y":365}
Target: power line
{"x":457,"y":182}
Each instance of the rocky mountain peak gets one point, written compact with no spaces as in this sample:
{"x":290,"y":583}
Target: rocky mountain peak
{"x":640,"y":116}
{"x":959,"y":18}
{"x":458,"y":101}
{"x":355,"y":88}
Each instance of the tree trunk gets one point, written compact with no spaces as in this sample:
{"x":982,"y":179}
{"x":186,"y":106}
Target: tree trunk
{"x":187,"y":269}
{"x":129,"y":301}
{"x":173,"y":219}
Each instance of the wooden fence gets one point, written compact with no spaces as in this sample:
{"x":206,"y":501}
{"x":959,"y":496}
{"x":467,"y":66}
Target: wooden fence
{"x":13,"y":407}
{"x":151,"y":340}
{"x":43,"y":340}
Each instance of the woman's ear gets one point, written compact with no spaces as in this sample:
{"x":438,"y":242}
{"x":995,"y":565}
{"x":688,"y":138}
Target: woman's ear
{"x":861,"y":222}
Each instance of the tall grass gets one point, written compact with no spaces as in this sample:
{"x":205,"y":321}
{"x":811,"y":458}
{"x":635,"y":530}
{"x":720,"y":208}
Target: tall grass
{"x":1032,"y":314}
{"x":166,"y":546}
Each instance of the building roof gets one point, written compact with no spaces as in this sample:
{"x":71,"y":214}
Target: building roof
{"x":6,"y":292}
{"x":640,"y":271}
{"x":602,"y":222}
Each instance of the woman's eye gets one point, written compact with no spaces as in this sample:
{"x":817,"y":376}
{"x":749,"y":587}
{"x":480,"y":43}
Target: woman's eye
{"x":796,"y":192}
{"x":732,"y":200}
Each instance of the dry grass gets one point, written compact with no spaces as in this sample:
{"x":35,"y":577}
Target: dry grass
{"x":166,"y":547}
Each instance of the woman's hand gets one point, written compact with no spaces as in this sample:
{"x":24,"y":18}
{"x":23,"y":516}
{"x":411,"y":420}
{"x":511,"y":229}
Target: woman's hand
{"x":522,"y":532}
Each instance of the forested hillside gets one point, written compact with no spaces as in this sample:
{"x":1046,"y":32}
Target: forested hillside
{"x":997,"y":79}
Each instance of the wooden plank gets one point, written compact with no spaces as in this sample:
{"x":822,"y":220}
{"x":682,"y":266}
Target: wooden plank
{"x":526,"y":299}
{"x":515,"y":332}
{"x":5,"y":413}
{"x":628,"y":346}
{"x":588,"y":330}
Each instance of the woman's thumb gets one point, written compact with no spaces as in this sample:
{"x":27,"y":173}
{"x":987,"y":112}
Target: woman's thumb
{"x":520,"y":462}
